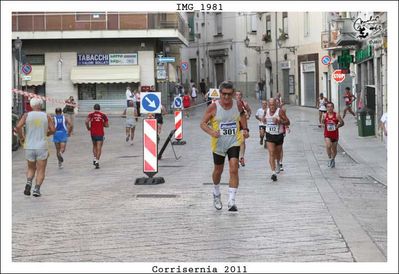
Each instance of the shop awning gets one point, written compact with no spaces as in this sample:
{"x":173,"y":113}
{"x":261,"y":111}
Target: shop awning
{"x":172,"y":73}
{"x":37,"y":75}
{"x":105,"y":74}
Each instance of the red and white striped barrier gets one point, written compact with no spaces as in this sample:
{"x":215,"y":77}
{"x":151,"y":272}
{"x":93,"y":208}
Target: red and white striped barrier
{"x":150,"y":147}
{"x":178,"y":125}
{"x":44,"y":98}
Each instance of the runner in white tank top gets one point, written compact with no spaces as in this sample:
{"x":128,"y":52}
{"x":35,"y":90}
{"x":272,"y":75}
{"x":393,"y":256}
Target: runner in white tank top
{"x":38,"y":125}
{"x":275,"y":120}
{"x":225,"y":117}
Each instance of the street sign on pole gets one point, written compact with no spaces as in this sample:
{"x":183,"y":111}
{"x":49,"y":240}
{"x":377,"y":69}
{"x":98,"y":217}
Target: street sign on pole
{"x":177,"y":102}
{"x":214,"y":93}
{"x":166,"y":59}
{"x":338,"y":75}
{"x":184,"y":66}
{"x":326,"y":60}
{"x":150,"y":102}
{"x":26,"y":69}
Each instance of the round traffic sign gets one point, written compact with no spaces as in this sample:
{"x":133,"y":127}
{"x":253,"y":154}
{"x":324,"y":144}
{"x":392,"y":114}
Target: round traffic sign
{"x":338,"y":75}
{"x":26,"y":69}
{"x":326,"y":60}
{"x":178,"y":102}
{"x":184,"y":66}
{"x":150,"y":102}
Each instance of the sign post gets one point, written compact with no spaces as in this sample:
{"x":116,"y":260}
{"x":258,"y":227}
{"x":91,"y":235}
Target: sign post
{"x":178,"y":104}
{"x":150,"y":104}
{"x":338,"y":75}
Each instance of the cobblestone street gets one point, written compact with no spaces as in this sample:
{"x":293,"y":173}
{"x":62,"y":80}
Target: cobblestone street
{"x":311,"y":214}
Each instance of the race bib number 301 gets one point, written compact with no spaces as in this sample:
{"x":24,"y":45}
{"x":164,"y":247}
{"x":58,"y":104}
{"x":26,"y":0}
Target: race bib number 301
{"x":228,"y":128}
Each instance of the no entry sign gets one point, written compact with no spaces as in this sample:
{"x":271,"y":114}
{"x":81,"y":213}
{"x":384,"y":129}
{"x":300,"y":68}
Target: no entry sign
{"x":338,"y":75}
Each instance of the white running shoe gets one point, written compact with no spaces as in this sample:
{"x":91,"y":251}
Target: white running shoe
{"x":217,"y":202}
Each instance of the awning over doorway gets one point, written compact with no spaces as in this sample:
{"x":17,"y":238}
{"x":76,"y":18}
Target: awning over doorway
{"x":172,"y":73}
{"x":37,"y":75}
{"x":105,"y":74}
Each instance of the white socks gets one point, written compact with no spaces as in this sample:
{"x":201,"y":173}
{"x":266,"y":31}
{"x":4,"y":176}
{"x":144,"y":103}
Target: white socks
{"x":232,"y":193}
{"x":216,"y":189}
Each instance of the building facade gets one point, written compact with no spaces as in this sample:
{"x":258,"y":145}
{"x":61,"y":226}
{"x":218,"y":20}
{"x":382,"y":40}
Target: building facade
{"x":95,"y":56}
{"x":360,"y":49}
{"x":217,"y":50}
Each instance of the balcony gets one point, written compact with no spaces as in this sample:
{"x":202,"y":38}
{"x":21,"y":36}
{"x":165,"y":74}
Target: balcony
{"x":53,"y":25}
{"x":347,"y":34}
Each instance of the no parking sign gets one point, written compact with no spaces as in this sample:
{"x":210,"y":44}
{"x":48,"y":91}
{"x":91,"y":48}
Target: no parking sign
{"x":184,"y":66}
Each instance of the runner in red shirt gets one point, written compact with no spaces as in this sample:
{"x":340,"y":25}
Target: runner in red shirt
{"x":95,"y":122}
{"x":186,"y":103}
{"x":332,"y":121}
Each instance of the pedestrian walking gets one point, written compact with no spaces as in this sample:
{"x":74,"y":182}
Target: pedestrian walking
{"x":225,"y":117}
{"x":286,"y":129}
{"x":63,"y":129}
{"x":186,"y":104}
{"x":69,"y":108}
{"x":321,"y":105}
{"x":95,"y":122}
{"x":33,"y":129}
{"x":130,"y":113}
{"x":194,"y":93}
{"x":159,"y":117}
{"x":332,"y":122}
{"x":275,"y":120}
{"x":203,"y":89}
{"x":248,"y":112}
{"x":260,"y":113}
{"x":349,"y":98}
{"x":129,"y":96}
{"x":137,"y":96}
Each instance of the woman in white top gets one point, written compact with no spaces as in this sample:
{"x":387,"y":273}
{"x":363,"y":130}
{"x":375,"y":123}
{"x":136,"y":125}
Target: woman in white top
{"x":321,"y":104}
{"x":193,"y":93}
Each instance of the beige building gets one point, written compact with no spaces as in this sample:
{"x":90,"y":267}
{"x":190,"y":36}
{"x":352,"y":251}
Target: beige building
{"x":95,"y":56}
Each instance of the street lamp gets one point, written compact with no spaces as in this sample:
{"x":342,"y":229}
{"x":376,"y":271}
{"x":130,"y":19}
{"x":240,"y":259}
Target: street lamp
{"x":18,"y":46}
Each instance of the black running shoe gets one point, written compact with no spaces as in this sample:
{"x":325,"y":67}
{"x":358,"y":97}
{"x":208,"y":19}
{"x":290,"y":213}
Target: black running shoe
{"x":231,"y":205}
{"x":97,"y":165}
{"x":60,"y":159}
{"x":36,"y":192}
{"x":27,"y":189}
{"x":274,"y":177}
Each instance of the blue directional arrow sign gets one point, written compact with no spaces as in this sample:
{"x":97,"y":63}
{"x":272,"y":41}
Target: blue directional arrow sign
{"x":177,"y":102}
{"x":150,"y":102}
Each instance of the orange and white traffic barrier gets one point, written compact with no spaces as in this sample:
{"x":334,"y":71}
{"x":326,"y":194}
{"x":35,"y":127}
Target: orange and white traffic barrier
{"x":44,"y":98}
{"x":150,"y":147}
{"x":178,"y":125}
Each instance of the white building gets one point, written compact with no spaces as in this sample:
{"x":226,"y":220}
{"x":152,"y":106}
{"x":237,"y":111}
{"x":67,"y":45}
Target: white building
{"x":217,"y":50}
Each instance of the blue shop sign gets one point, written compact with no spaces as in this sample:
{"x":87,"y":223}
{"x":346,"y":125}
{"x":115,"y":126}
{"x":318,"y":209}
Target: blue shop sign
{"x":93,"y":59}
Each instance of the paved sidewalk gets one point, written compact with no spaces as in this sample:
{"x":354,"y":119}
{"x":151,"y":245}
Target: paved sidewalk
{"x":311,"y":214}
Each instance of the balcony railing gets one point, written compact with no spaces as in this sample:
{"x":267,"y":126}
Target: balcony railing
{"x":78,"y":21}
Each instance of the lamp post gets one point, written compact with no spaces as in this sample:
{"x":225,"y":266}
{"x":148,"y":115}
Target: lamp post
{"x":18,"y":46}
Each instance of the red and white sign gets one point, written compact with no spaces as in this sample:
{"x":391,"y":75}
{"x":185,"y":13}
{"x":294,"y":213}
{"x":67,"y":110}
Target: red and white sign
{"x":338,"y":75}
{"x":150,"y":147}
{"x":178,"y":125}
{"x":184,"y":66}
